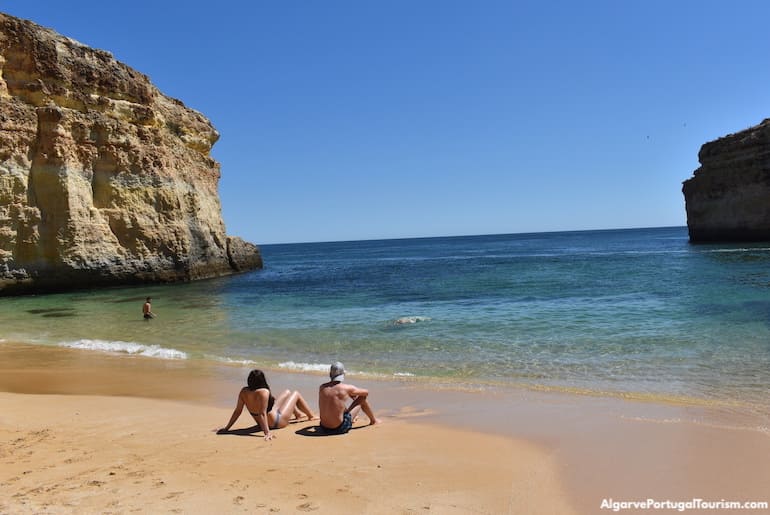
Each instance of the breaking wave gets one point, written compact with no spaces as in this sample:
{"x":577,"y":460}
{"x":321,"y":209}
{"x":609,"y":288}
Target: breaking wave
{"x":410,"y":320}
{"x":304,"y":367}
{"x":324,"y":367}
{"x":118,"y":347}
{"x":231,"y":361}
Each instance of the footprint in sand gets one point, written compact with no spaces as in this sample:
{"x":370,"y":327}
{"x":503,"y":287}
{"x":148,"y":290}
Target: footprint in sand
{"x":239,"y":500}
{"x":308,"y":506}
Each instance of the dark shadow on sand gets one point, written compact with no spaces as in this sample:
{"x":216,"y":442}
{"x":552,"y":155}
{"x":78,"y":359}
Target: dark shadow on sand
{"x":320,"y":431}
{"x":253,"y":430}
{"x":245,"y":431}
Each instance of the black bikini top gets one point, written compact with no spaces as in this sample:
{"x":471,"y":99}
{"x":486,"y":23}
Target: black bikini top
{"x":270,"y":402}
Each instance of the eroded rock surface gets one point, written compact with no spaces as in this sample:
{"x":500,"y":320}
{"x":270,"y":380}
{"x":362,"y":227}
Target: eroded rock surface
{"x":728,"y":197}
{"x":103,"y":179}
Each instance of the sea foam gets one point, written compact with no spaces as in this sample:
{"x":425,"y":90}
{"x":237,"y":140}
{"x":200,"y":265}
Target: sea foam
{"x":410,"y":320}
{"x":231,"y":361}
{"x":150,"y":351}
{"x":323,"y":367}
{"x":304,"y":367}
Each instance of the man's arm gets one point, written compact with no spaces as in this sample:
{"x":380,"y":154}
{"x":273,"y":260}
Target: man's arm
{"x":357,"y":394}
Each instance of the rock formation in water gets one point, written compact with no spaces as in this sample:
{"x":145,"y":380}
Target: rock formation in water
{"x":103,"y":179}
{"x":728,"y":197}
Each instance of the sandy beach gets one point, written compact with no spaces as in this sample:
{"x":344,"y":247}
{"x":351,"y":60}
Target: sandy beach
{"x":83,"y":432}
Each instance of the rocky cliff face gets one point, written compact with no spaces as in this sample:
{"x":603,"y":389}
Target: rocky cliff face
{"x":728,"y":197}
{"x":103,"y":179}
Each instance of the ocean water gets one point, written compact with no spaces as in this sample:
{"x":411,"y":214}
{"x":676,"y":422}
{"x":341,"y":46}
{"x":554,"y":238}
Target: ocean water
{"x":638,"y":313}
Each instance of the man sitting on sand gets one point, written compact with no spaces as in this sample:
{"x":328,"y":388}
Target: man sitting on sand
{"x":332,"y":397}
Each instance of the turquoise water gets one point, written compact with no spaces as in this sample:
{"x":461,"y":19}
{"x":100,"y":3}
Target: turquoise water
{"x":639,"y":312}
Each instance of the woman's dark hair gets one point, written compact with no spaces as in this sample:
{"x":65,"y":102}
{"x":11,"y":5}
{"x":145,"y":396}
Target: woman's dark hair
{"x":257,"y":380}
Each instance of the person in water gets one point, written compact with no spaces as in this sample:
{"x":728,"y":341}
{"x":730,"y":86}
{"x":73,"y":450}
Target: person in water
{"x":269,"y":412}
{"x":147,"y":309}
{"x":336,"y":417}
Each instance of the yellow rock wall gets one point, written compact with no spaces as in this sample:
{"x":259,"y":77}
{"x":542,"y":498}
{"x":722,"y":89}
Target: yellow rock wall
{"x":103,"y":179}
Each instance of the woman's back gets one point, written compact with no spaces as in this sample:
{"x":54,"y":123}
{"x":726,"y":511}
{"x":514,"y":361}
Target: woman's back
{"x":257,"y":400}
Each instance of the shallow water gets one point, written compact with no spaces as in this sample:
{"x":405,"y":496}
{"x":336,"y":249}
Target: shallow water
{"x":639,"y":313}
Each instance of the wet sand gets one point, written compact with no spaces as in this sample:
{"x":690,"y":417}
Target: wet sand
{"x":88,"y":432}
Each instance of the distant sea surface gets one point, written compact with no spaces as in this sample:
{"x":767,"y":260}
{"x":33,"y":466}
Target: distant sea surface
{"x":638,"y":313}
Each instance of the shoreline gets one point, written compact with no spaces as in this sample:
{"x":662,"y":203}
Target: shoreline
{"x":714,"y":412}
{"x":589,"y":448}
{"x":130,"y":434}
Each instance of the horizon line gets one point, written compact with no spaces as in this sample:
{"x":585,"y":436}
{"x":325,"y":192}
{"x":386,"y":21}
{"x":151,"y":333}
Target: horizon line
{"x":610,"y":229}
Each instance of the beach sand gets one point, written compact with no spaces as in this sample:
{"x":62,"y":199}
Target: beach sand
{"x":83,"y":432}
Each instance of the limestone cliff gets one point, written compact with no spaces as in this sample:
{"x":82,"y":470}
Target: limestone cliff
{"x":103,"y":179}
{"x":728,"y":197}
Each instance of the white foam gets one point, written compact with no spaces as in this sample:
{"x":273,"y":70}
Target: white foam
{"x":742,"y":249}
{"x":231,"y":361}
{"x":319,"y":367}
{"x":150,"y":351}
{"x":410,"y":320}
{"x":305,"y":367}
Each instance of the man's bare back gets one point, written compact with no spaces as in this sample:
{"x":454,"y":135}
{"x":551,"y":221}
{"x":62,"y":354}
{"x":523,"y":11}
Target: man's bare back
{"x":332,"y":402}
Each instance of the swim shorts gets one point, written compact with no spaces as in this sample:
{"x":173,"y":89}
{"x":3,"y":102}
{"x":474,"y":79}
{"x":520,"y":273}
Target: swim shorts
{"x":347,"y":423}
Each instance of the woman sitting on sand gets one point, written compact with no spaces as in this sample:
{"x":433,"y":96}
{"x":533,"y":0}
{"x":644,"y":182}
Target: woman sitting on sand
{"x":268,"y":411}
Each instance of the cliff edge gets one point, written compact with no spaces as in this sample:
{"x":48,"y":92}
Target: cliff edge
{"x":728,"y":197}
{"x":103,"y":179}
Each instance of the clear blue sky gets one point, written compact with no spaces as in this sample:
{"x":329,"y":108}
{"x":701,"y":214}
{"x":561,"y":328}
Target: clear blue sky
{"x":360,"y":119}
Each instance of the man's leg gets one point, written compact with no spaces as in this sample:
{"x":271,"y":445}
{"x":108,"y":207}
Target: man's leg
{"x":364,"y":405}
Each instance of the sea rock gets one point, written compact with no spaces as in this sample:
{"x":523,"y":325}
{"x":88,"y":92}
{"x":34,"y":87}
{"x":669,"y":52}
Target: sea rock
{"x":728,"y":197}
{"x":103,"y":179}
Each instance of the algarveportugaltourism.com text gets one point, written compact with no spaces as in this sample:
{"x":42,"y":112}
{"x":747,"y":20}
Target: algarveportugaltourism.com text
{"x":693,"y":504}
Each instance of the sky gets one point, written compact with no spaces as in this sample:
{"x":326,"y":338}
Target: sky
{"x":351,"y":120}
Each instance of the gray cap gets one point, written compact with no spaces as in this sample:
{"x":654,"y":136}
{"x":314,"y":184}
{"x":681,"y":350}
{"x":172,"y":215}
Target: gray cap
{"x":337,"y":372}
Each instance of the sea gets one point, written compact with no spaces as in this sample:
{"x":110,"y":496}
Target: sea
{"x":637,"y":313}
